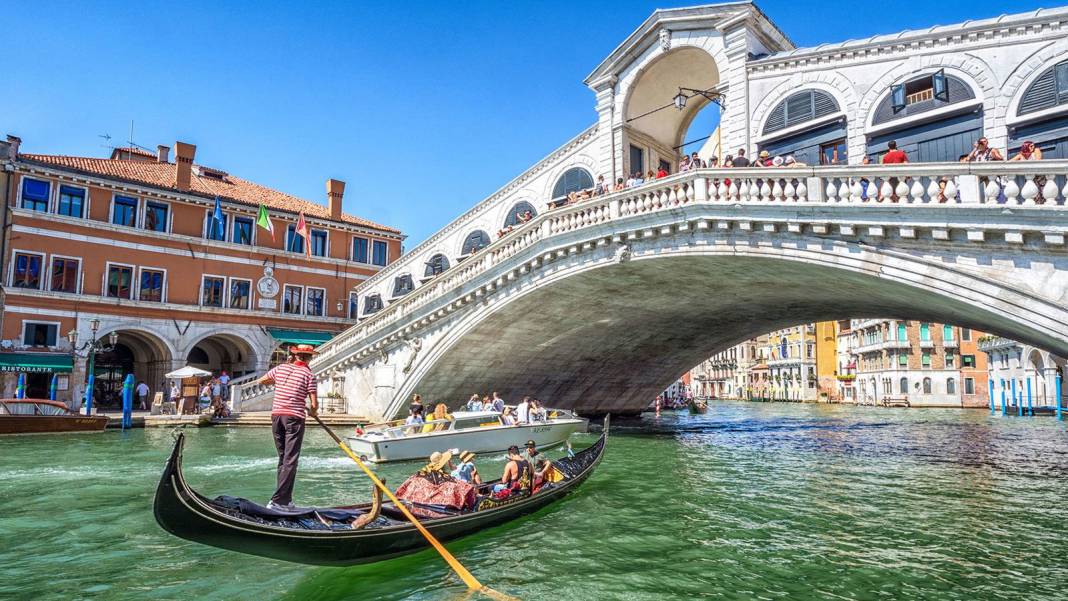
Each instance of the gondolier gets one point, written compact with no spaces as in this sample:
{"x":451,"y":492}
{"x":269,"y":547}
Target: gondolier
{"x":293,"y":383}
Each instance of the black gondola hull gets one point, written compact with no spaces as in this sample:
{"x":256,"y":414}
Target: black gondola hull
{"x":185,"y":513}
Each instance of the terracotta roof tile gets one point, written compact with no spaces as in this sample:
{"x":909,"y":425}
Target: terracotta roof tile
{"x":235,"y":189}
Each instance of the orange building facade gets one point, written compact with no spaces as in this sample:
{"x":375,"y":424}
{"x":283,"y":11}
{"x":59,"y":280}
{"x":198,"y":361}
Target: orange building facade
{"x":128,"y":244}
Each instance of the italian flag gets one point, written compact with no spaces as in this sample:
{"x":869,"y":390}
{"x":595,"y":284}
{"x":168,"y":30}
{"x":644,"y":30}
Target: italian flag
{"x":264,"y":221}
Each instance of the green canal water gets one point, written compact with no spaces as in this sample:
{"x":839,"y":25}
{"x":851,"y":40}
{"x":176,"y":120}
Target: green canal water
{"x":752,"y":501}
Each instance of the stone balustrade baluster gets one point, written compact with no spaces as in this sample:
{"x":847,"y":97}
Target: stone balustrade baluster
{"x":801,"y":190}
{"x":856,"y":191}
{"x":790,"y":192}
{"x":765,"y":191}
{"x":732,"y":190}
{"x":832,"y":191}
{"x":872,"y":191}
{"x":916,"y":192}
{"x":951,"y":191}
{"x":1011,"y":190}
{"x":991,"y":191}
{"x":1049,"y":191}
{"x":902,"y":190}
{"x":777,"y":193}
{"x":723,"y":192}
{"x":933,"y":191}
{"x":885,"y":191}
{"x":1029,"y":192}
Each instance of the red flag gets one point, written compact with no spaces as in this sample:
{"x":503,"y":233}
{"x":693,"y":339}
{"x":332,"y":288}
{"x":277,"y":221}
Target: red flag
{"x":302,"y":230}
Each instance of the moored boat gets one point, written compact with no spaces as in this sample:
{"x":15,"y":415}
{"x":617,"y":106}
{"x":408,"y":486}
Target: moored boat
{"x":477,"y":431}
{"x":40,"y":416}
{"x":326,"y":536}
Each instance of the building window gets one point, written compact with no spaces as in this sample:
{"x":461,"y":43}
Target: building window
{"x":925,"y":332}
{"x":799,"y":108}
{"x":120,"y":281}
{"x":833,"y":153}
{"x":216,"y":230}
{"x":156,"y":216}
{"x":292,"y":299}
{"x":436,"y":265}
{"x":903,"y":385}
{"x":379,"y":253}
{"x":950,"y":360}
{"x":124,"y":211}
{"x":922,"y":89}
{"x":927,"y":385}
{"x":925,"y":360}
{"x":372,"y":304}
{"x":39,"y":334}
{"x":71,"y":201}
{"x":951,"y":386}
{"x":947,"y":333}
{"x":359,"y":249}
{"x":1047,"y":91}
{"x":354,"y":305}
{"x":903,"y":360}
{"x":240,"y":293}
{"x":213,"y":291}
{"x":151,"y":285}
{"x":966,"y":334}
{"x":318,"y":243}
{"x":969,"y":386}
{"x":294,"y":242}
{"x":523,"y":212}
{"x":242,"y":230}
{"x":35,"y":194}
{"x":575,"y":179}
{"x":637,"y":159}
{"x":316,"y":301}
{"x":475,"y":241}
{"x":64,"y":274}
{"x":810,"y":351}
{"x":967,"y":361}
{"x":27,"y":271}
{"x":902,"y":332}
{"x":402,"y":285}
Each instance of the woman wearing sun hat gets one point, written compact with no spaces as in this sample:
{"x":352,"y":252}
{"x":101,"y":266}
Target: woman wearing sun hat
{"x":467,"y":471}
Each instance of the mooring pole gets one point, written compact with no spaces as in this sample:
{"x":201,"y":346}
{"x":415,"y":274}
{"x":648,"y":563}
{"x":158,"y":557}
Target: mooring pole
{"x":991,"y":383}
{"x":1016,"y":399}
{"x":1003,"y":398}
{"x":1060,"y":416}
{"x":1030,"y":407}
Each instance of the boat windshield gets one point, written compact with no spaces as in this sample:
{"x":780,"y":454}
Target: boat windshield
{"x":29,"y":408}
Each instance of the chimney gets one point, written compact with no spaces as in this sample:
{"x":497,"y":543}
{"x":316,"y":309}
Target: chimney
{"x":335,"y":190}
{"x":163,"y":154}
{"x":183,"y":164}
{"x":14,"y":141}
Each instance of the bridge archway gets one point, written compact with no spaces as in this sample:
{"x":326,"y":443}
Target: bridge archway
{"x":653,"y":130}
{"x":141,"y":352}
{"x":220,"y":352}
{"x":625,"y":327}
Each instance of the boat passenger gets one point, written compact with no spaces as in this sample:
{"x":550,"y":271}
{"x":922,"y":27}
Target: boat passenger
{"x":440,"y":419}
{"x":417,"y":405}
{"x":537,"y":412}
{"x":473,"y":402}
{"x":522,"y":411}
{"x":508,"y":417}
{"x":467,"y":471}
{"x":414,"y":420}
{"x":498,"y":403}
{"x":516,"y":474}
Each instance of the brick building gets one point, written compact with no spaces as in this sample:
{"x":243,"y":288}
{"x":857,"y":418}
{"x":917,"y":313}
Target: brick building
{"x":128,"y":244}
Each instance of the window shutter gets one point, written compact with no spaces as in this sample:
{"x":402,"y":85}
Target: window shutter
{"x":941,"y":89}
{"x":1061,"y":71}
{"x":777,"y":119}
{"x":798,"y":108}
{"x":1042,"y":94}
{"x":897,"y":97}
{"x":824,"y":104}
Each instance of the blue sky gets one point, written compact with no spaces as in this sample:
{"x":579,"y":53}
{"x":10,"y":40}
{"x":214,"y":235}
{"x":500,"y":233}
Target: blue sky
{"x":422,"y":108}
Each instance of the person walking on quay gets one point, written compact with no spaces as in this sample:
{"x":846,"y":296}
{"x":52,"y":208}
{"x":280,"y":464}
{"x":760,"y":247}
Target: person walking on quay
{"x":142,"y":395}
{"x":293,"y":383}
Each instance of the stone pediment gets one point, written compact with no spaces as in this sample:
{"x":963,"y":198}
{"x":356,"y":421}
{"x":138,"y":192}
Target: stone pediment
{"x":660,"y":27}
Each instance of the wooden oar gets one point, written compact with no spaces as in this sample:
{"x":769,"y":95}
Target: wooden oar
{"x":468,"y":578}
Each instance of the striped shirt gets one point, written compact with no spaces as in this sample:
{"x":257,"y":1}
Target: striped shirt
{"x":293,"y":382}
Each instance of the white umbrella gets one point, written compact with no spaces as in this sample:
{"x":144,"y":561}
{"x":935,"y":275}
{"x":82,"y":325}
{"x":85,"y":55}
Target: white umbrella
{"x":188,"y":372}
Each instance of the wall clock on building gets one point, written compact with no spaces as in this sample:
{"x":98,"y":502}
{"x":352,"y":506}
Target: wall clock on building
{"x":267,"y":286}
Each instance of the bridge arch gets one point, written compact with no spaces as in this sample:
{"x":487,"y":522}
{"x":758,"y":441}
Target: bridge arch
{"x":628,"y":345}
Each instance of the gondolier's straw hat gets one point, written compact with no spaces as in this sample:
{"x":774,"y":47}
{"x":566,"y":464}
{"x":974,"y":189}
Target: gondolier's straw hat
{"x":467,"y":457}
{"x":303,"y":349}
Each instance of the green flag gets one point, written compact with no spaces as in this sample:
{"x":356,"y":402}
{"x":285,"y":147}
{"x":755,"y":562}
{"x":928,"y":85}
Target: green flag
{"x":264,"y":221}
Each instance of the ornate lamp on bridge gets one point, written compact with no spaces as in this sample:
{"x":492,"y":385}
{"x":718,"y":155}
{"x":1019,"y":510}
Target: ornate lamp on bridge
{"x":715,"y":97}
{"x":89,"y":349}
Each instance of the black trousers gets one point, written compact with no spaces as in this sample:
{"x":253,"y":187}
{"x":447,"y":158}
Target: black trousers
{"x":288,"y":436}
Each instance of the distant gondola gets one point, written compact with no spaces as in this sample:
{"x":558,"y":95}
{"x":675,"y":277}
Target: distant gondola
{"x":323,"y":536}
{"x":698,"y":407}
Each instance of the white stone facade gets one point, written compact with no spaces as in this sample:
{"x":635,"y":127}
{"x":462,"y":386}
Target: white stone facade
{"x":1022,"y":377}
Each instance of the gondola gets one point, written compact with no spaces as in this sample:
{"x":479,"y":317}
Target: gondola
{"x":698,"y":407}
{"x":325,"y":536}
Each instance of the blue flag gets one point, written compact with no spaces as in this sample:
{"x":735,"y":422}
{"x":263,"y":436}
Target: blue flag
{"x":218,"y":221}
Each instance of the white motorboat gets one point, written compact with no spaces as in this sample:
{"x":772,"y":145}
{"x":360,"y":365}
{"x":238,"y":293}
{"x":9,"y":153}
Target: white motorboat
{"x":475,"y":431}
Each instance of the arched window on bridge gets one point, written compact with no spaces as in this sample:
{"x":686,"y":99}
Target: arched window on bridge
{"x":518,"y":214}
{"x":903,"y":386}
{"x":822,"y":143}
{"x":402,"y":285}
{"x":951,"y":386}
{"x":943,"y":137}
{"x":1048,"y":91}
{"x":372,"y":303}
{"x":927,"y":385}
{"x":436,"y":265}
{"x":475,"y":241}
{"x":573,"y":180}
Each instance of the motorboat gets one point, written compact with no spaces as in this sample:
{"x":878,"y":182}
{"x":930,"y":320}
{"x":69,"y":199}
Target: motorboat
{"x":476,"y":431}
{"x":346,"y":535}
{"x":39,"y":416}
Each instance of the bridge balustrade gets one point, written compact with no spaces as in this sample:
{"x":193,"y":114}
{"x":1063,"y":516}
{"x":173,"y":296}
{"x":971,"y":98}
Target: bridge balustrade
{"x":1041,"y":185}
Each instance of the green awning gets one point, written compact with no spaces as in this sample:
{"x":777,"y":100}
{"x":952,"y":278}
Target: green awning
{"x":299,"y":336}
{"x":36,"y":362}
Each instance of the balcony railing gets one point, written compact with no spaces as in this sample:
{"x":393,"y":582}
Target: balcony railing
{"x":991,"y":343}
{"x":942,"y":186}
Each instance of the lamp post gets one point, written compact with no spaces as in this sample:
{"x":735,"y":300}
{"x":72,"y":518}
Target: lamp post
{"x":89,"y":350}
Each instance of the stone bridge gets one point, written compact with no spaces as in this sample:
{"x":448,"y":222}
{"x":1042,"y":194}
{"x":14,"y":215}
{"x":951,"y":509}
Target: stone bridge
{"x":601,"y":304}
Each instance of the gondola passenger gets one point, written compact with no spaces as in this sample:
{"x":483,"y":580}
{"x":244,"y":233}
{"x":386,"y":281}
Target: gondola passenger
{"x":467,"y":471}
{"x":516,"y":476}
